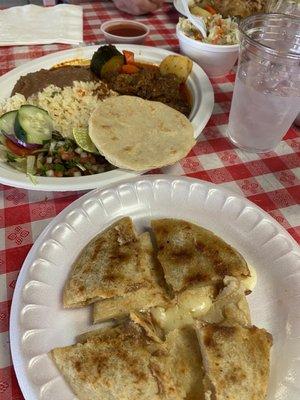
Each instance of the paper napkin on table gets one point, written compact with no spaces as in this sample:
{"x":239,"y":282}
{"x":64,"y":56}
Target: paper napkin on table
{"x":31,"y":24}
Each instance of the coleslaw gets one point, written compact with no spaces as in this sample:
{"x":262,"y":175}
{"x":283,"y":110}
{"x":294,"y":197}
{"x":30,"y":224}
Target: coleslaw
{"x":220,"y":31}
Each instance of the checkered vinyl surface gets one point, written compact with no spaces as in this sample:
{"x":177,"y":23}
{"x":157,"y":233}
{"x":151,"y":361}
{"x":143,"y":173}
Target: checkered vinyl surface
{"x":271,"y":180}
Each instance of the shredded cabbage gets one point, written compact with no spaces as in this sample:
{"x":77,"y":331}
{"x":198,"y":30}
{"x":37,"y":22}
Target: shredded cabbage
{"x":221,"y":31}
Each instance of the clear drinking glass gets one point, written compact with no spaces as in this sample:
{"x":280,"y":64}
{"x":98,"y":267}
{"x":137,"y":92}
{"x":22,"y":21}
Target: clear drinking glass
{"x":266,"y":97}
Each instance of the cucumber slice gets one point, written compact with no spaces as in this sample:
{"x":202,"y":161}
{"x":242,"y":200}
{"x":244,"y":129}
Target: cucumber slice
{"x":7,"y":122}
{"x":33,"y":125}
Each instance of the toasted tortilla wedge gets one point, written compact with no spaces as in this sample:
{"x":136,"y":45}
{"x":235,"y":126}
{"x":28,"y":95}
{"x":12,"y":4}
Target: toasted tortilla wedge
{"x":153,"y":292}
{"x":190,"y":254}
{"x":230,"y":306}
{"x":113,"y":264}
{"x":186,"y":362}
{"x":125,"y":363}
{"x":236,"y":361}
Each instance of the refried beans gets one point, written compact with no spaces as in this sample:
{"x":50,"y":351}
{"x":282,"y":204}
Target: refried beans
{"x":35,"y":82}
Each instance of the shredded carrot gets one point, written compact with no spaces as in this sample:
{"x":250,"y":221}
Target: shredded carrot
{"x":129,"y":69}
{"x":210,"y":9}
{"x":129,"y":57}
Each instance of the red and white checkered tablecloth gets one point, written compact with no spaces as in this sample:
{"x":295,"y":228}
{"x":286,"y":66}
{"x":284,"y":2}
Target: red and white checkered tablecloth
{"x":271,"y":180}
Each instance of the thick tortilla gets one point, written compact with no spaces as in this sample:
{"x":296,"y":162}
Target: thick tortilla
{"x":115,"y":263}
{"x":138,"y":134}
{"x":152,"y":293}
{"x":191,"y":254}
{"x":236,"y":361}
{"x":129,"y":362}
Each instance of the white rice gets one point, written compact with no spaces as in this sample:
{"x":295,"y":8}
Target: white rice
{"x":69,"y":107}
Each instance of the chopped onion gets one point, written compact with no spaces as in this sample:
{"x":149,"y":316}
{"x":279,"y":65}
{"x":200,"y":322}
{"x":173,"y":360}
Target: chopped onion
{"x":50,"y":172}
{"x":77,"y":173}
{"x":49,"y":160}
{"x":30,"y":161}
{"x":52,"y":147}
{"x":83,"y":154}
{"x":78,"y":150}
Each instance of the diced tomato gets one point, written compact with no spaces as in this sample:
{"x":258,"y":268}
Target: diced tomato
{"x":18,"y":150}
{"x":218,"y":35}
{"x":58,"y":174}
{"x":67,"y":155}
{"x":210,"y":9}
{"x":129,"y":57}
{"x":129,"y":69}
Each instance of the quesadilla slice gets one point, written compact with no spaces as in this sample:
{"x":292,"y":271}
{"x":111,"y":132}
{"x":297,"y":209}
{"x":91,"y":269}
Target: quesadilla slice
{"x":114,"y":264}
{"x":236,"y":361}
{"x":185,"y":361}
{"x":151,"y":292}
{"x":118,"y":363}
{"x":190,"y":254}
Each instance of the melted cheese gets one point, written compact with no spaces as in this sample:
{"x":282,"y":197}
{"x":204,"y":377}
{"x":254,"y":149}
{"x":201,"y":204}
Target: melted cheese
{"x":193,"y":303}
{"x":250,"y":281}
{"x":190,"y":304}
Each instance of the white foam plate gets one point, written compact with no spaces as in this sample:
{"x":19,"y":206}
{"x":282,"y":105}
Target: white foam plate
{"x":198,"y":83}
{"x":39,"y":323}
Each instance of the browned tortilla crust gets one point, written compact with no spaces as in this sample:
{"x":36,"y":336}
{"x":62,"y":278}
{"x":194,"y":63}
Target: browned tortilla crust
{"x":191,"y":254}
{"x":236,"y":361}
{"x":115,"y":264}
{"x":125,"y":362}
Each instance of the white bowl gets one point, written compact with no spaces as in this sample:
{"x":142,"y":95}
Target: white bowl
{"x":216,"y":60}
{"x":111,"y":38}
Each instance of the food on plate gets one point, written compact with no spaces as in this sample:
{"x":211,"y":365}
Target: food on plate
{"x":47,"y":146}
{"x":179,"y":66}
{"x":194,"y":340}
{"x":230,"y":306}
{"x":236,"y":361}
{"x":192,"y":303}
{"x":29,"y":124}
{"x":69,"y":107}
{"x":29,"y":144}
{"x":149,"y":291}
{"x":137,"y":134}
{"x":44,"y":124}
{"x":220,"y":31}
{"x":226,"y":306}
{"x":185,"y":363}
{"x":115,"y":264}
{"x":63,"y":76}
{"x":107,"y":60}
{"x":190,"y":254}
{"x":125,"y":362}
{"x":126,"y":76}
{"x":227,"y":8}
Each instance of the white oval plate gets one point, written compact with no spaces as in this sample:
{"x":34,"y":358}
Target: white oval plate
{"x":39,"y":323}
{"x":198,"y":83}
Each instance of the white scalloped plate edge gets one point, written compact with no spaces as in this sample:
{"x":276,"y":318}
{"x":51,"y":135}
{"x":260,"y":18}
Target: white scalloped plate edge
{"x":276,"y":248}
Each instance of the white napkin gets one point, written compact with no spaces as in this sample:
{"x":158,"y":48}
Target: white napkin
{"x":32,"y":24}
